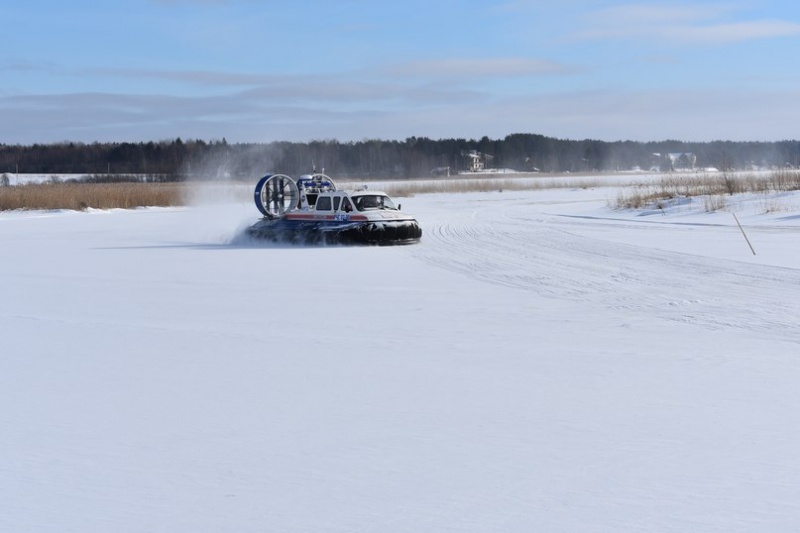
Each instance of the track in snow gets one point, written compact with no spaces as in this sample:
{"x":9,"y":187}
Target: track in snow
{"x":515,"y":244}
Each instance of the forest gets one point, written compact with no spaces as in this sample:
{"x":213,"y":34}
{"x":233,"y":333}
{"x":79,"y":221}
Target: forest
{"x":414,"y":157}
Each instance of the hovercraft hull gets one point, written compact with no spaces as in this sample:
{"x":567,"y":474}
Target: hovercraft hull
{"x":382,"y":232}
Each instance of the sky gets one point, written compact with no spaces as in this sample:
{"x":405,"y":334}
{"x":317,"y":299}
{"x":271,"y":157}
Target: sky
{"x":351,"y":70}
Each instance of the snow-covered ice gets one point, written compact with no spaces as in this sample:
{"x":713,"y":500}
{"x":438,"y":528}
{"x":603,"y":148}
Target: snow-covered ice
{"x":539,"y":362}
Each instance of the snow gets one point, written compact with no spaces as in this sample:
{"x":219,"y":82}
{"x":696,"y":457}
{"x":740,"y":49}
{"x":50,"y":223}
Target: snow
{"x":15,"y":178}
{"x":539,"y":362}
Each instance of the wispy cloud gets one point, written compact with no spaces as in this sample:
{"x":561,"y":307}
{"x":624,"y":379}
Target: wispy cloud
{"x":31,"y":66}
{"x":446,"y":84}
{"x":252,"y":116}
{"x":734,"y":32}
{"x":649,"y":15}
{"x":438,"y":80}
{"x":192,"y":77}
{"x":680,"y":24}
{"x":361,"y":94}
{"x":427,"y":69}
{"x":477,"y":68}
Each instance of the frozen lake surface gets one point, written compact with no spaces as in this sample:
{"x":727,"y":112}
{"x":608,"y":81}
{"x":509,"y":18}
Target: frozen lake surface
{"x":539,"y":362}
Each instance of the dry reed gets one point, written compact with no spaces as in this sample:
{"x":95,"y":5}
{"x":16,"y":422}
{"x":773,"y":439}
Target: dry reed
{"x":407,"y":190}
{"x":712,"y":186}
{"x":80,"y":196}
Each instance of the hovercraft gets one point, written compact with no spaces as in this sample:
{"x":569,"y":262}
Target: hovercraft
{"x":312,"y":210}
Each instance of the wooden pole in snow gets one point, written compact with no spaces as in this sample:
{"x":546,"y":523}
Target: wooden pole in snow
{"x":743,"y":233}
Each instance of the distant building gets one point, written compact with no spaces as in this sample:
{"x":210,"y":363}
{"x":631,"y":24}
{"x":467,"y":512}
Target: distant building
{"x":477,"y":161}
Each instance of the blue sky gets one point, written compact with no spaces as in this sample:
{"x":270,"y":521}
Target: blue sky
{"x":258,"y":71}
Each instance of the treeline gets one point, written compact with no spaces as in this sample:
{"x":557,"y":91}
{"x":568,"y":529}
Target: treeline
{"x":413,"y":157}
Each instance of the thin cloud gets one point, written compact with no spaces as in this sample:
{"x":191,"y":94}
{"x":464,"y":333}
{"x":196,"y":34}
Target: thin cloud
{"x":735,"y":32}
{"x":630,"y":115}
{"x":680,"y":25}
{"x":193,"y":77}
{"x":478,"y":68}
{"x":361,"y":93}
{"x":365,"y":87}
{"x":651,"y":15}
{"x":31,"y":66}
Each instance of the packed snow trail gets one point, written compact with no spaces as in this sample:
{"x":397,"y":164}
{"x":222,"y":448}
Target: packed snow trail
{"x":533,"y":247}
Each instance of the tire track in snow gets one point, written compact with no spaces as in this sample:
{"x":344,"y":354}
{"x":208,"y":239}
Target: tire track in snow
{"x":513,"y":245}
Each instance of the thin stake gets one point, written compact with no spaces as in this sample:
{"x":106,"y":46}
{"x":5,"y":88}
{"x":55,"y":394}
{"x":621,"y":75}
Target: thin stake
{"x":743,"y":233}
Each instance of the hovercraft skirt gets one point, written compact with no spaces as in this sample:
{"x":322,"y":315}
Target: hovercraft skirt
{"x":310,"y":232}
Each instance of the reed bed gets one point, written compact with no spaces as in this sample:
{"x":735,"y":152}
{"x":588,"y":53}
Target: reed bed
{"x":81,"y":196}
{"x":713,"y":187}
{"x":408,"y":190}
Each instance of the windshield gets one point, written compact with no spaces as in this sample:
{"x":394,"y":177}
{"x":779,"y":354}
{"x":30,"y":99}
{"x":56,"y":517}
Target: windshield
{"x":373,"y":201}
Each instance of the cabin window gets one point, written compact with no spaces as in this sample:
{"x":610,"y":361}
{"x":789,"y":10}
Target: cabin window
{"x":336,"y":200}
{"x":346,"y":205}
{"x":323,"y":203}
{"x":373,"y":201}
